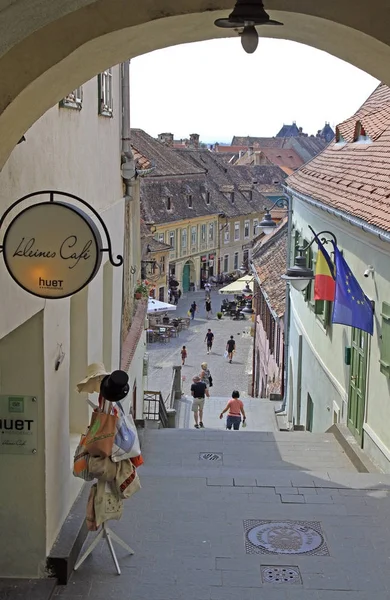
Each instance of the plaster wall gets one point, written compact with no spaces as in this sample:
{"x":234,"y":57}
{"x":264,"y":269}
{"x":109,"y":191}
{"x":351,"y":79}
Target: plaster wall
{"x":77,"y":152}
{"x":22,"y":497}
{"x":324,"y":373}
{"x":269,"y":370}
{"x":232,"y":246}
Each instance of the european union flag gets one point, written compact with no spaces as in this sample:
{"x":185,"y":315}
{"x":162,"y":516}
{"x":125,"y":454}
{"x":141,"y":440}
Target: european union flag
{"x":351,"y":306}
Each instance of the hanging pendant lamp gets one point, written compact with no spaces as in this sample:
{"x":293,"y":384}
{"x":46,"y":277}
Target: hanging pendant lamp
{"x":247,"y":14}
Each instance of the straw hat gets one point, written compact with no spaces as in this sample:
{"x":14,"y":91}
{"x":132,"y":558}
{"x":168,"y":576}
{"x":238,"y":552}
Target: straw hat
{"x":91,"y":383}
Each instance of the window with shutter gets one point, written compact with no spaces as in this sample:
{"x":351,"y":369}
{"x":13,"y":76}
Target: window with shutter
{"x":385,"y":340}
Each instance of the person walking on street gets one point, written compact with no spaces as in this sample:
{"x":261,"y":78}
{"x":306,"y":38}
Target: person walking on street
{"x":198,"y":390}
{"x":208,"y":307}
{"x":183,"y":353}
{"x":179,"y":293}
{"x":205,"y":377}
{"x":209,"y":338}
{"x":230,"y":348}
{"x":235,"y":406}
{"x":193,"y":308}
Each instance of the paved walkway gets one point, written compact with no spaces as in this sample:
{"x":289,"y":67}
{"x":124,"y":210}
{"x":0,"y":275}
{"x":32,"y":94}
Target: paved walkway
{"x":246,"y":516}
{"x":226,"y":377}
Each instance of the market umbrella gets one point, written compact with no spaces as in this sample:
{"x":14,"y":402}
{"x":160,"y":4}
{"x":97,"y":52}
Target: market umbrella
{"x":236,"y":286}
{"x":155,"y":306}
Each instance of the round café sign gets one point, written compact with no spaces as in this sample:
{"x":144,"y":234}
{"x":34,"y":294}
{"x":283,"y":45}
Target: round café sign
{"x":52,"y":249}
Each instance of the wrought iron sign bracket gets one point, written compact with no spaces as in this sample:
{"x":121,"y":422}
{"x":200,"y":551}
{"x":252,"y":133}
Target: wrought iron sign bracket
{"x":116,"y":262}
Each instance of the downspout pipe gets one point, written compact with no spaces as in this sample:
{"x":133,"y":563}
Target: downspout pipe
{"x":128,"y":164}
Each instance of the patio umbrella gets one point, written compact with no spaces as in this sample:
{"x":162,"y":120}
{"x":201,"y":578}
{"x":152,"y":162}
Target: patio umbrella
{"x":236,"y":286}
{"x":156,"y":306}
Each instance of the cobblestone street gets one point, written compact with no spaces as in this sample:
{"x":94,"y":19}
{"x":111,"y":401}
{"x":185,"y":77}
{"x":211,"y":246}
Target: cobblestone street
{"x":226,"y":377}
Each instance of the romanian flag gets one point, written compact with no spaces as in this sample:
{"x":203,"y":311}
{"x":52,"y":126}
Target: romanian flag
{"x":324,"y":280}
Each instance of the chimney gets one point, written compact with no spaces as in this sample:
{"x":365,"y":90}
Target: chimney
{"x":257,"y":158}
{"x":194,"y":140}
{"x":166,"y":138}
{"x":250,"y":150}
{"x":300,"y":130}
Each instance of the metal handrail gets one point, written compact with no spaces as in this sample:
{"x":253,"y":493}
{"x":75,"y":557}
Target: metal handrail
{"x":154,"y":407}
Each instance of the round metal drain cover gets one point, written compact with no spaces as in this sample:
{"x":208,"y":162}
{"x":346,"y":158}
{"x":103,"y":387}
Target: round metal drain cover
{"x":210,"y":456}
{"x":280,"y":575}
{"x":285,"y":538}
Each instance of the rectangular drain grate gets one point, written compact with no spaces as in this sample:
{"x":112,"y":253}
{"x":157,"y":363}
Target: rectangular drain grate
{"x":278,"y":575}
{"x":212,"y":456}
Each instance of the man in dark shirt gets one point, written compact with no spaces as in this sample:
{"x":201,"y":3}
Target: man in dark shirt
{"x":209,"y":338}
{"x":198,"y":389}
{"x":230,"y":348}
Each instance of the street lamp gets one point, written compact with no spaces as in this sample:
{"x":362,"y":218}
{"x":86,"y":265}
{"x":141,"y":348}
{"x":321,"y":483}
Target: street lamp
{"x":247,"y":290}
{"x":300,"y":274}
{"x":247,"y":14}
{"x":268,"y":225}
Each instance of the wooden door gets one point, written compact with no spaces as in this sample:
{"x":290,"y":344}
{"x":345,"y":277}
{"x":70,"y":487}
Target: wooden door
{"x":357,"y":384}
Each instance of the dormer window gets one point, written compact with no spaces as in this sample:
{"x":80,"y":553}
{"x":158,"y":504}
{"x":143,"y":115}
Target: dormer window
{"x":207,"y":197}
{"x":232,"y":197}
{"x":339,"y":137}
{"x":169,"y":203}
{"x":360,"y":134}
{"x":189,"y":200}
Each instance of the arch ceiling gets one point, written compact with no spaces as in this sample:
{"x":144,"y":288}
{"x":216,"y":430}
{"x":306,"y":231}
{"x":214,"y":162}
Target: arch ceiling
{"x":49,"y":47}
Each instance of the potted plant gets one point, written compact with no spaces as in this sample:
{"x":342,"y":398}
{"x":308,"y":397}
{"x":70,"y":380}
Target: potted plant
{"x":219,"y":315}
{"x":141,"y":290}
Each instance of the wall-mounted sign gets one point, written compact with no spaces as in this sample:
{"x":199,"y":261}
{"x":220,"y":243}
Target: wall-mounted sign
{"x":18,"y":424}
{"x":52,"y":249}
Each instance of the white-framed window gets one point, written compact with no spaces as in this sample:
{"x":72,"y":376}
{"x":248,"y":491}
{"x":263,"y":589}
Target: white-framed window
{"x":247,"y":226}
{"x":172,"y":239}
{"x":211,"y":232}
{"x":227,"y":234}
{"x":162,"y":264}
{"x":161,"y":237}
{"x":203,"y":232}
{"x":74,"y":99}
{"x":193,"y":235}
{"x":226,"y":263}
{"x":184,"y":238}
{"x":235,"y":261}
{"x":255,"y":226}
{"x":106,"y":106}
{"x":236,"y":231}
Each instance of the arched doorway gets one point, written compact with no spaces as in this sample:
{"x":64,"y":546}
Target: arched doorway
{"x":188,"y":277}
{"x":68,"y":45}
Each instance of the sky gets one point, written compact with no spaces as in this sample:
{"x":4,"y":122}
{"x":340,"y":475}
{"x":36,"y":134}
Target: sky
{"x":217,"y":90}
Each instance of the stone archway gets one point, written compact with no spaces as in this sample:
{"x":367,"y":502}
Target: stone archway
{"x":58,"y":47}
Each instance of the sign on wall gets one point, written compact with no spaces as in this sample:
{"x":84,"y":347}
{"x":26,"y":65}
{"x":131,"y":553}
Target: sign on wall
{"x":18,"y":425}
{"x":52,"y":249}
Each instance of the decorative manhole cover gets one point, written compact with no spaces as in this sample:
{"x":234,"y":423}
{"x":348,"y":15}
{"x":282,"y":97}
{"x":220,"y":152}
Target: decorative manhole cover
{"x":271,"y":574}
{"x":215,"y":456}
{"x":284,"y":537}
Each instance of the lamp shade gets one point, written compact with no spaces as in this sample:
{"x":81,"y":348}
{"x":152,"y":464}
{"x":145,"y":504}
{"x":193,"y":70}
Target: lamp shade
{"x":247,"y":290}
{"x":267,"y":225}
{"x":299,"y":275}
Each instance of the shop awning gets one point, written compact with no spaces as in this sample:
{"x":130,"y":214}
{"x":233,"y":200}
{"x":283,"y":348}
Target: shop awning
{"x":156,"y":306}
{"x":236,"y":286}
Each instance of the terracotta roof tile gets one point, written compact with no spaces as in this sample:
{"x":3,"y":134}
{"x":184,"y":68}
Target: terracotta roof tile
{"x":355,"y":177}
{"x":269,"y":260}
